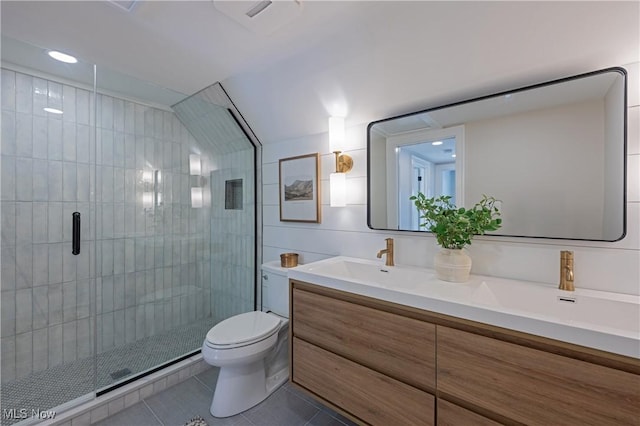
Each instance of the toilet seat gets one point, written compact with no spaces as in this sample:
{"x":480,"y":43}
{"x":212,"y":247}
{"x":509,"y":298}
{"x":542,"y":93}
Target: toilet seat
{"x":242,"y":330}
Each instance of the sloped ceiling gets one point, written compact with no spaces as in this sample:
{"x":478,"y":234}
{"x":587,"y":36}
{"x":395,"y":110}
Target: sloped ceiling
{"x":366,"y":59}
{"x":211,"y":123}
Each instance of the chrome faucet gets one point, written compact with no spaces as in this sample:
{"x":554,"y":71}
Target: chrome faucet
{"x":566,"y":271}
{"x":388,"y":251}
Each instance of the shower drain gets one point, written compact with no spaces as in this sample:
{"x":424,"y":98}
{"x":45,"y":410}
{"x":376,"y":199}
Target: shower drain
{"x":120,"y":373}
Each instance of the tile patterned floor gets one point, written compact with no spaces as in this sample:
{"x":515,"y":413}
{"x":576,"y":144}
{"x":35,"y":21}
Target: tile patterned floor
{"x":177,"y":405}
{"x":57,"y":385}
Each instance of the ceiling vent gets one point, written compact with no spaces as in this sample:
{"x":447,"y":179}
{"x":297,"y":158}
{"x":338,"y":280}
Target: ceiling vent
{"x":261,"y":17}
{"x":260,"y":7}
{"x":127,"y":5}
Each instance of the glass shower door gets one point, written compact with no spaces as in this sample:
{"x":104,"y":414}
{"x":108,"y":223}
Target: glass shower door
{"x":164,"y":199}
{"x":47,"y":172}
{"x":151,"y":246}
{"x":153,"y":286}
{"x":175,"y":226}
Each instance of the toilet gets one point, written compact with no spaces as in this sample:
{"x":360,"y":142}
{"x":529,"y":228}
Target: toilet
{"x":251,"y":349}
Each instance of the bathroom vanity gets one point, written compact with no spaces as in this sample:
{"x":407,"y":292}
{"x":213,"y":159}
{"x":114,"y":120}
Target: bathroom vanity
{"x":443,"y":358}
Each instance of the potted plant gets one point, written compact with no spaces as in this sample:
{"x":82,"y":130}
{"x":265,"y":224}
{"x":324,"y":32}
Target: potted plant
{"x":454,"y":228}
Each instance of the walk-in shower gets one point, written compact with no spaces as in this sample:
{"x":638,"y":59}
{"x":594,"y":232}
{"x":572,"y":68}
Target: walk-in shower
{"x":164,"y":187}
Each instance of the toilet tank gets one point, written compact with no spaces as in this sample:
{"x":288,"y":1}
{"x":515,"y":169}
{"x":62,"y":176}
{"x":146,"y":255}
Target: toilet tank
{"x":275,"y":289}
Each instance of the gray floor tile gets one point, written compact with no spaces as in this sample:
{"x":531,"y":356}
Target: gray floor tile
{"x":136,"y":415}
{"x":342,"y":419}
{"x":188,"y":399}
{"x":184,"y":401}
{"x":282,"y":408}
{"x":303,"y":395}
{"x":209,"y":378}
{"x":323,"y":418}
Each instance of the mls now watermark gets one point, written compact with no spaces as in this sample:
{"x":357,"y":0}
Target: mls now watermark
{"x":23,"y":413}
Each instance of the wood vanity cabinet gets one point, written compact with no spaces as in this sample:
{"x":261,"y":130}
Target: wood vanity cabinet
{"x":381,"y":363}
{"x":450,"y":414}
{"x":532,"y":386}
{"x":375,"y":366}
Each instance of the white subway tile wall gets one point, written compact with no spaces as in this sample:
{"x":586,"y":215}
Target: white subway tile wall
{"x":152,"y":269}
{"x":232,"y":241}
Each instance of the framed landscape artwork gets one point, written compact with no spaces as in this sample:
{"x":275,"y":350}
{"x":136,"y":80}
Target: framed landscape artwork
{"x":300,"y":189}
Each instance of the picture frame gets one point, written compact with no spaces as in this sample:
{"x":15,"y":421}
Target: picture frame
{"x":299,"y":188}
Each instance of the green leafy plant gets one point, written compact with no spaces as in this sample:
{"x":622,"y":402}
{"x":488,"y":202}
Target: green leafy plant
{"x":455,"y":227}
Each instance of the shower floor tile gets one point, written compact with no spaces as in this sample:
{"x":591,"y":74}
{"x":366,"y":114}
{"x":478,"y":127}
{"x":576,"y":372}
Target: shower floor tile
{"x":55,"y":386}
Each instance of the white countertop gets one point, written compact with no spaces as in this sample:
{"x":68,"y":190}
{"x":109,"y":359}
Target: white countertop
{"x":595,"y":319}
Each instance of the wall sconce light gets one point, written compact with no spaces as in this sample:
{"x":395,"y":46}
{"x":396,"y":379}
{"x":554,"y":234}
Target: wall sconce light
{"x":197,"y":191}
{"x":197,"y":198}
{"x":338,"y":189}
{"x":147,"y":176}
{"x":151,"y":197}
{"x":344,"y":163}
{"x":147,"y":200}
{"x":195,"y":165}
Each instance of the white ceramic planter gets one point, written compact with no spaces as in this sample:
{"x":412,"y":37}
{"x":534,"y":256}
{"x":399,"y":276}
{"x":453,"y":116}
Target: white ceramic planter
{"x":452,"y":265}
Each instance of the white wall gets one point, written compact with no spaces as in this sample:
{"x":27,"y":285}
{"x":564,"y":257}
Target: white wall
{"x":343,"y":231}
{"x":549,"y":150}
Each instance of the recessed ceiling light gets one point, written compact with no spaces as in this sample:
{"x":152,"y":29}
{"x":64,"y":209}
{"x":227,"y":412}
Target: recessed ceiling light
{"x":453,"y":155}
{"x":53,"y":110}
{"x":62,"y":57}
{"x":436,"y":143}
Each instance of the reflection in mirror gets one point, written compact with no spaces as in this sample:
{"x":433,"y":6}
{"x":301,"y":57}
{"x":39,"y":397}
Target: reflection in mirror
{"x":554,"y":153}
{"x":427,"y":166}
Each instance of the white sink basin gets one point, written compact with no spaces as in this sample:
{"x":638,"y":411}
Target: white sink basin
{"x":595,"y":309}
{"x":601,"y":320}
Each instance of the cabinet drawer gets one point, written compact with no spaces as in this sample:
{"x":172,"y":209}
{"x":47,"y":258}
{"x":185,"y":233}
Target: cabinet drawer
{"x":531,"y":386}
{"x":364,"y":393}
{"x":450,"y":414}
{"x":400,"y":347}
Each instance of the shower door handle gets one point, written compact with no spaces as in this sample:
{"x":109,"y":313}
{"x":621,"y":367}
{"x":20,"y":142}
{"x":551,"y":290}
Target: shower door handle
{"x":75,"y":248}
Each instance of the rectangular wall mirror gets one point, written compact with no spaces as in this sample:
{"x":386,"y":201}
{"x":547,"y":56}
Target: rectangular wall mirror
{"x":553,"y":153}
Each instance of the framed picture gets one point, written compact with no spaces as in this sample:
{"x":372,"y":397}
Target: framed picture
{"x":300,"y":189}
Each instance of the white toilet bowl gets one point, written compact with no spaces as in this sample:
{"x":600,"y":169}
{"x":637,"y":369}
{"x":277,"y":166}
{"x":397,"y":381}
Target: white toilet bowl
{"x":239,"y":346}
